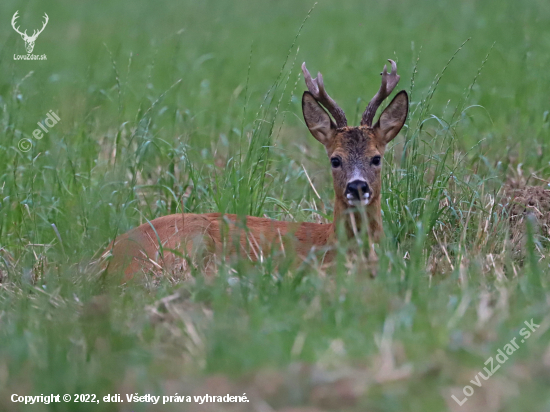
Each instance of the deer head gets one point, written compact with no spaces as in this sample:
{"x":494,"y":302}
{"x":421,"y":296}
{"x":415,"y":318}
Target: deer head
{"x":355,"y":153}
{"x":29,"y":40}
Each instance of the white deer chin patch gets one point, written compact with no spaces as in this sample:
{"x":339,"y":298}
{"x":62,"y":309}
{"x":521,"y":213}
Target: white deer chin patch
{"x":353,"y":202}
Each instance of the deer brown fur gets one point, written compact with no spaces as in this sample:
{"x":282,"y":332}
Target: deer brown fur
{"x":355,"y":155}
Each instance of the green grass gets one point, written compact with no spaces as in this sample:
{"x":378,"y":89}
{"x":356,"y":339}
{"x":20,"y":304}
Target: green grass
{"x":195,"y":106}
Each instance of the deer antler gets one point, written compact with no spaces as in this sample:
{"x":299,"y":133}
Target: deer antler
{"x":35,"y":32}
{"x":317,"y":88}
{"x":13,"y":22}
{"x":389,"y":81}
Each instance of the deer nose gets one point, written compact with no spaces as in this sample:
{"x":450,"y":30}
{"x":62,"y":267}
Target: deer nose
{"x":357,"y":190}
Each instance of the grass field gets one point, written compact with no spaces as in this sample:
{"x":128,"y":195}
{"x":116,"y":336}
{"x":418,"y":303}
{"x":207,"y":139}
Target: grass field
{"x":195,"y":106}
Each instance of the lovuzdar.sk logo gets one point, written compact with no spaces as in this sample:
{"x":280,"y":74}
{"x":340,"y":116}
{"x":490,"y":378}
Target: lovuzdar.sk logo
{"x":29,"y":40}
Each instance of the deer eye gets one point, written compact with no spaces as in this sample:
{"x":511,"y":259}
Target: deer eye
{"x":376,"y":160}
{"x":336,"y":162}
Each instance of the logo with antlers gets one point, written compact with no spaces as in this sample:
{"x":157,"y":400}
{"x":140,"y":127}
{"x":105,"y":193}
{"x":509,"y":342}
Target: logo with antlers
{"x":29,"y":40}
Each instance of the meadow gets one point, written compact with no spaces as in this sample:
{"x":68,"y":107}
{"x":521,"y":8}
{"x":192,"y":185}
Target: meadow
{"x":169,"y":107}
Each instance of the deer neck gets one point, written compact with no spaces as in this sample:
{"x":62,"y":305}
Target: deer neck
{"x":353,"y":219}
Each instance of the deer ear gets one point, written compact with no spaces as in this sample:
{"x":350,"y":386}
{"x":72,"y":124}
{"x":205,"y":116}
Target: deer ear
{"x":317,"y":119}
{"x":392,"y":118}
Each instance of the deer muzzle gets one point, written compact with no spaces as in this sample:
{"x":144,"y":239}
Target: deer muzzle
{"x":358,"y":191}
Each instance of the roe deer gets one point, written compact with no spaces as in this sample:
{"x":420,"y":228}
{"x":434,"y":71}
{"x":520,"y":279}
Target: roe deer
{"x":355,"y":155}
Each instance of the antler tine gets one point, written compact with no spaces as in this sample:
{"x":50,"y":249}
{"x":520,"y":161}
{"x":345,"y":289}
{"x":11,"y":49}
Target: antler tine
{"x":389,"y":81}
{"x":14,"y":18}
{"x":14,"y":21}
{"x":37,"y":32}
{"x":317,"y":88}
{"x":46,"y":20}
